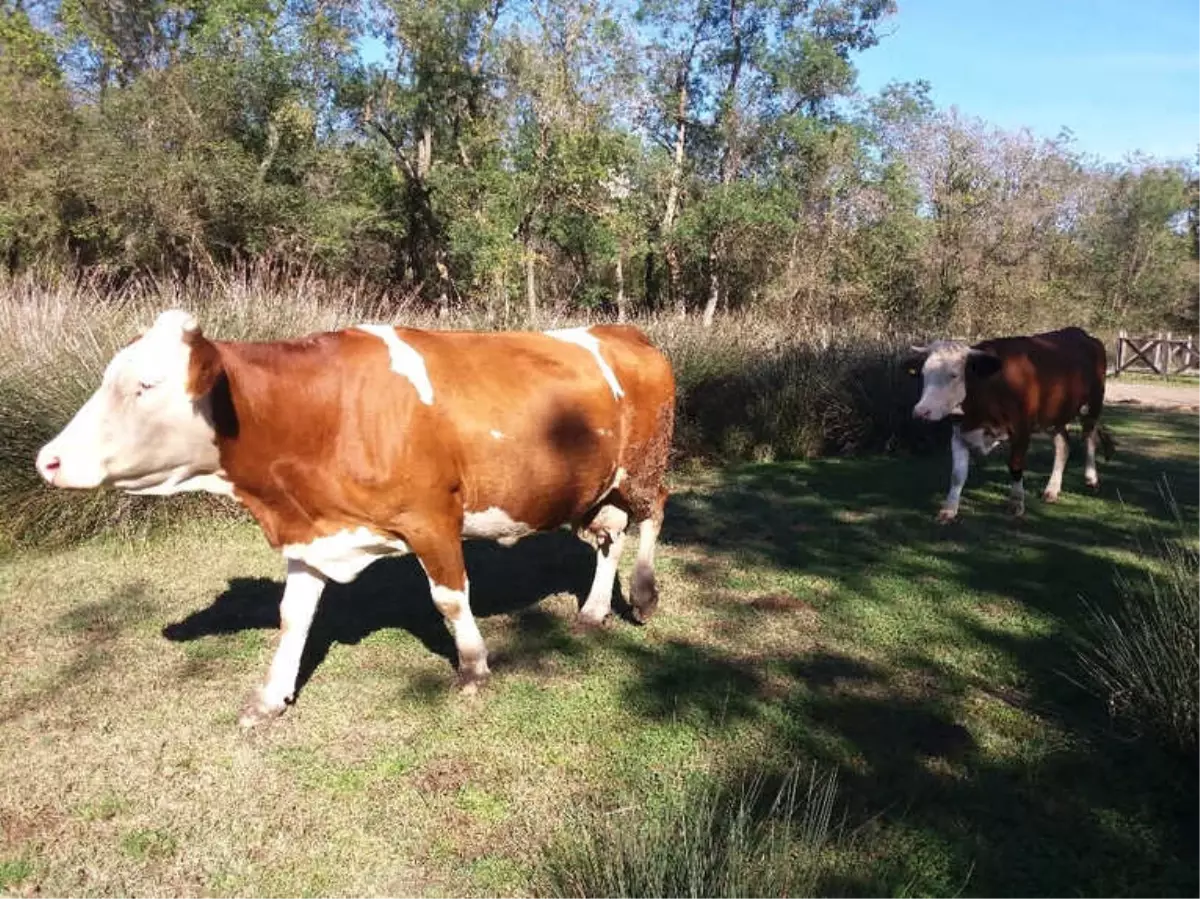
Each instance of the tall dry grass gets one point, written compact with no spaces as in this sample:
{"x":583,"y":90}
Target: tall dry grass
{"x":750,"y":388}
{"x":702,"y":841}
{"x":1142,"y":655}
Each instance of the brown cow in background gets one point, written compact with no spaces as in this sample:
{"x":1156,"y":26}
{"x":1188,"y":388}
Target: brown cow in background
{"x":1006,"y":389}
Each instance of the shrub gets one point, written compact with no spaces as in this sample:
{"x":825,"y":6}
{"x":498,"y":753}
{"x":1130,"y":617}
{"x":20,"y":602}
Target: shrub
{"x":1143,"y":657}
{"x":703,"y":842}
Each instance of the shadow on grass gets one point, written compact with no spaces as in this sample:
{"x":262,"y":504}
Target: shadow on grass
{"x":1076,"y":811}
{"x":1066,"y":808}
{"x":394,"y":593}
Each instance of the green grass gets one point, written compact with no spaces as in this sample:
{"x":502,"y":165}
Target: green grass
{"x":812,"y":614}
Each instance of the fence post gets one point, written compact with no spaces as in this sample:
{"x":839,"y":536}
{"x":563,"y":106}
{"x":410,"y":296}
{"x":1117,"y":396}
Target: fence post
{"x":1158,"y":345}
{"x":1187,"y":357}
{"x":1120,"y":352}
{"x":1170,"y":355}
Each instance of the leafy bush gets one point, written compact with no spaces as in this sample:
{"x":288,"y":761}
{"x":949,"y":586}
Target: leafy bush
{"x":702,"y":842}
{"x":1143,"y":657}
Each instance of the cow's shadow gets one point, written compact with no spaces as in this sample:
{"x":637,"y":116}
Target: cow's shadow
{"x":394,"y":593}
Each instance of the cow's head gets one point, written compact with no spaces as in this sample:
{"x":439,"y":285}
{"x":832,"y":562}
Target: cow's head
{"x":946,"y":367}
{"x":148,"y":428}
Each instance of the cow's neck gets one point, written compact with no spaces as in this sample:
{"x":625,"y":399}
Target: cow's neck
{"x":271,"y":406}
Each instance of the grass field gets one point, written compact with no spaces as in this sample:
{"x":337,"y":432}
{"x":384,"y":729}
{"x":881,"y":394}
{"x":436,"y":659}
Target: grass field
{"x":812,"y":613}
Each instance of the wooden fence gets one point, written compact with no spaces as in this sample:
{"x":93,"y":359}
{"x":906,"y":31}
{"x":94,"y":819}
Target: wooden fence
{"x":1161,"y":354}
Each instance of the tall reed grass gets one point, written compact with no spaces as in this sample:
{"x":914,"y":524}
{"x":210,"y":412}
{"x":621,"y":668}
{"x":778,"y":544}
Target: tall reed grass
{"x":1142,"y":656}
{"x":750,"y":388}
{"x":702,"y":841}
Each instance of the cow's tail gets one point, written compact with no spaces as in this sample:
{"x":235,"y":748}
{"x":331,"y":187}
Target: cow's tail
{"x":1108,"y":443}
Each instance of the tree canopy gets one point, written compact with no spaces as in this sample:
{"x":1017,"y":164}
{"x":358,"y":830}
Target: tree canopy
{"x":695,"y":156}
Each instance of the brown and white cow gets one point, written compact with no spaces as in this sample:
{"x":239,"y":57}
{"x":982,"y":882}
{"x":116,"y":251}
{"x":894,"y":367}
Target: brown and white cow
{"x":1006,"y":389}
{"x":377,"y":440}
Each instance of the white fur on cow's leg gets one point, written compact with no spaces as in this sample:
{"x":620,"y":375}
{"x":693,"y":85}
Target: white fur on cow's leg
{"x":599,"y":600}
{"x":1054,"y":485}
{"x":960,"y":465}
{"x":301,"y":593}
{"x":1090,"y":477}
{"x":643,"y":592}
{"x":455,"y":607}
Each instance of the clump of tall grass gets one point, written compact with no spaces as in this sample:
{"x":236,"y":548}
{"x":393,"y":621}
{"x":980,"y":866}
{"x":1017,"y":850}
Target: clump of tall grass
{"x":705,"y":841}
{"x":749,"y":388}
{"x":757,"y":390}
{"x":1142,"y":657}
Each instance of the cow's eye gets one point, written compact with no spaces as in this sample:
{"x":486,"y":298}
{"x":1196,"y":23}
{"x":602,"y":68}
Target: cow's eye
{"x":143,"y":386}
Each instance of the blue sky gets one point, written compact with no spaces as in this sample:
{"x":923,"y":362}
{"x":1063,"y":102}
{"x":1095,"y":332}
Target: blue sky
{"x":1123,"y":76}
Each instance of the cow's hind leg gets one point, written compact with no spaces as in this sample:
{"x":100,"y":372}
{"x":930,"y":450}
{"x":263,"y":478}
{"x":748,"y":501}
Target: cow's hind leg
{"x":606,"y":531}
{"x":1016,"y":468}
{"x":1090,"y":438}
{"x":301,"y":593}
{"x":1061,"y":449}
{"x":442,"y":559}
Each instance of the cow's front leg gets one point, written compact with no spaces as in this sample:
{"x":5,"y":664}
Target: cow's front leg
{"x":960,"y":455}
{"x":606,"y":532}
{"x":1016,"y":468}
{"x":1061,"y":449}
{"x":301,"y":593}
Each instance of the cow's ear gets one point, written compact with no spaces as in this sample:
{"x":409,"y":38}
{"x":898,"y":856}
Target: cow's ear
{"x":204,"y":364}
{"x":915,"y":363}
{"x":982,"y":364}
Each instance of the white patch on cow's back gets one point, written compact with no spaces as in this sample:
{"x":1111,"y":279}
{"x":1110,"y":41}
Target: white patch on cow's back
{"x":405,"y":360}
{"x":586,"y":339}
{"x":494,"y":523}
{"x":341,"y":556}
{"x":497,"y":435}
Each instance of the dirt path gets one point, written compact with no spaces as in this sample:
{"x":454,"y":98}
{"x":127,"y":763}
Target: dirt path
{"x":1158,"y":396}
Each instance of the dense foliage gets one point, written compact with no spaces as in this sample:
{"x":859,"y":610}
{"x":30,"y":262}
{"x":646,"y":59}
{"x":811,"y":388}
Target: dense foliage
{"x":510,"y":156}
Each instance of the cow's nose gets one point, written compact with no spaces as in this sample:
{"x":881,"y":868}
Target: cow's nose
{"x":48,"y":464}
{"x":923,"y":414}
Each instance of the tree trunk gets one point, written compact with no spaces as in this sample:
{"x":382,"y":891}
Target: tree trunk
{"x":672,"y":208}
{"x":714,"y":285}
{"x":531,"y":283}
{"x":620,"y":286}
{"x":673,"y":278}
{"x":730,"y":160}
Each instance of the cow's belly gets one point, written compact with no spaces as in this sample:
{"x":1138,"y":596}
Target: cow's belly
{"x":533,"y":476}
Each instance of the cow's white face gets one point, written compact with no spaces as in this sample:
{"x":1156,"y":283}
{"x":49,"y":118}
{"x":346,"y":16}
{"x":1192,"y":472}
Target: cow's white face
{"x":947,"y":367}
{"x":141,"y":431}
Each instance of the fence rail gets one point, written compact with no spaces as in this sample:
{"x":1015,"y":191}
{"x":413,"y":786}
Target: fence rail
{"x":1160,"y":354}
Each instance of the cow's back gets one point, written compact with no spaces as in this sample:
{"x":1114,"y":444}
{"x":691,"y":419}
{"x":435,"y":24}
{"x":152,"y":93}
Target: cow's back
{"x":1046,"y":379}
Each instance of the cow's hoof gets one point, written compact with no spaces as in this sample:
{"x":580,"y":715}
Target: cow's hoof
{"x":470,"y":685}
{"x":1050,"y":496}
{"x":586,"y":622}
{"x":1017,"y":512}
{"x":643,"y":613}
{"x":471,"y":678}
{"x":643,"y":600}
{"x":258,"y":710}
{"x":1092,"y":485}
{"x":945,"y":516}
